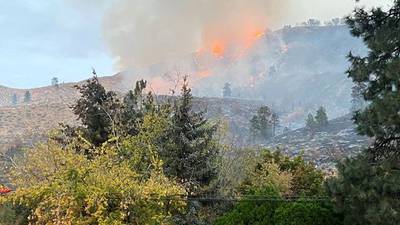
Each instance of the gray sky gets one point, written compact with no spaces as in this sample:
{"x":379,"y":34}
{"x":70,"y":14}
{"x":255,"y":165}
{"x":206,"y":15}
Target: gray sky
{"x":45,"y":38}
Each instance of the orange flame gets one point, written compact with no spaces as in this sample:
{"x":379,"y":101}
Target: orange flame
{"x":218,"y":49}
{"x":231,"y":42}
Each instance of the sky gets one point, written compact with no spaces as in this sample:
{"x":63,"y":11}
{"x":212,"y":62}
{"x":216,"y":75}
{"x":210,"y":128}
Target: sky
{"x":42,"y":39}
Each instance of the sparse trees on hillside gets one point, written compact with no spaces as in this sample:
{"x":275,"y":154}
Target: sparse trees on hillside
{"x":334,"y":22}
{"x":321,"y":118}
{"x":27,"y":97}
{"x":262,"y":124}
{"x":311,"y":125}
{"x":318,"y":122}
{"x":227,"y":91}
{"x":312,"y":23}
{"x":14,"y":99}
{"x":54,"y":82}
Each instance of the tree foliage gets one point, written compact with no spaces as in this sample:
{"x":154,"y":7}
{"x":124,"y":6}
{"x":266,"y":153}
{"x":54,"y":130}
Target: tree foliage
{"x":227,"y":90}
{"x":321,"y":118}
{"x":367,"y":186}
{"x":189,"y":151}
{"x":96,"y":110}
{"x":367,"y":193}
{"x":27,"y":97}
{"x":262,"y":124}
{"x":120,"y":186}
{"x":378,"y":72}
{"x":274,"y":177}
{"x":311,"y":124}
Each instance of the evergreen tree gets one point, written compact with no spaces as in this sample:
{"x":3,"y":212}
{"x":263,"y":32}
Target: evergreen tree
{"x":321,"y":119}
{"x":379,"y":71}
{"x":261,"y":125}
{"x":367,"y":186}
{"x":275,"y":123}
{"x":27,"y":97}
{"x":133,"y":110}
{"x":357,"y":98}
{"x":54,"y":81}
{"x":14,"y":99}
{"x":311,"y":125}
{"x":96,"y":109}
{"x":189,"y":152}
{"x":227,"y":91}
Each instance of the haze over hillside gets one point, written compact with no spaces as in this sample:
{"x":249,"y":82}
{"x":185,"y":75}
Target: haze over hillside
{"x":293,"y":70}
{"x":289,"y":69}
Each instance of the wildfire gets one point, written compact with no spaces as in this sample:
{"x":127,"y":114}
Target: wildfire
{"x":218,"y":49}
{"x":231,"y":43}
{"x":258,"y":34}
{"x":204,"y":73}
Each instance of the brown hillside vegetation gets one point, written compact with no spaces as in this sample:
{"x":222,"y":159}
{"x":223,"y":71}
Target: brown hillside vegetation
{"x":26,"y":123}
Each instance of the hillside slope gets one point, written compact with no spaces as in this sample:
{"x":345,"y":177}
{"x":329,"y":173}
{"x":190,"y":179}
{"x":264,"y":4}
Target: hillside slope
{"x":334,"y":142}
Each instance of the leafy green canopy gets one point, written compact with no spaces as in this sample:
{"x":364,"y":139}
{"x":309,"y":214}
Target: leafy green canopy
{"x":123,"y":185}
{"x":274,"y":177}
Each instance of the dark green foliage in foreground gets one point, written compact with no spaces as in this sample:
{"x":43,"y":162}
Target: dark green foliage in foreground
{"x":367,"y":187}
{"x":266,"y":205}
{"x":135,"y":105}
{"x":189,"y":151}
{"x":280,"y":212}
{"x":367,"y":193}
{"x":306,"y":213}
{"x":251,"y":212}
{"x":13,"y":215}
{"x":96,"y":110}
{"x":379,"y":73}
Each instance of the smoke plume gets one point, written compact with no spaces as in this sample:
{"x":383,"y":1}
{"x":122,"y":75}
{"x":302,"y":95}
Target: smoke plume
{"x":144,"y":32}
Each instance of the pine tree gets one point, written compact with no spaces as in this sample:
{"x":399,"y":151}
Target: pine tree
{"x":190,"y":151}
{"x":262,"y":124}
{"x":357,"y":98}
{"x":27,"y":97}
{"x":227,"y":91}
{"x":379,"y":72}
{"x":54,"y":82}
{"x":96,"y":109}
{"x":366,"y":188}
{"x":14,"y":99}
{"x":311,"y":125}
{"x":321,"y":119}
{"x":275,"y":123}
{"x":132,"y":112}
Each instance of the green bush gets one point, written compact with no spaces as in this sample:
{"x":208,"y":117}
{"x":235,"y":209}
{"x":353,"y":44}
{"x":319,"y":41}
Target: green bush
{"x":251,"y":211}
{"x":306,"y":213}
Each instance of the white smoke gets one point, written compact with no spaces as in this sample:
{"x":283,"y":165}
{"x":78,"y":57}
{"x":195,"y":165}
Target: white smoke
{"x":143,"y":32}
